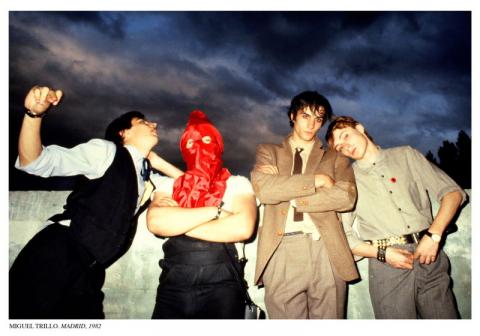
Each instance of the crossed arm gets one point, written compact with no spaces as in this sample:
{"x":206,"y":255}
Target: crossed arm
{"x":165,"y":218}
{"x":311,"y":192}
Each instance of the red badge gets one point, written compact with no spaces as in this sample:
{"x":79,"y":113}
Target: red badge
{"x":393,"y":180}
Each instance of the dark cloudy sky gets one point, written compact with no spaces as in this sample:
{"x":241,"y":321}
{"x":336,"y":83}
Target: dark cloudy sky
{"x":405,"y":75}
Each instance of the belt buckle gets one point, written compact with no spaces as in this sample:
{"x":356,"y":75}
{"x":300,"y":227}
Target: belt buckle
{"x":416,"y":237}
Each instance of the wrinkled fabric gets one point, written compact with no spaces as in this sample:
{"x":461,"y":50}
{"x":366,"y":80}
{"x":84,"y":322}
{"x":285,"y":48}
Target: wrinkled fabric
{"x":205,"y":180}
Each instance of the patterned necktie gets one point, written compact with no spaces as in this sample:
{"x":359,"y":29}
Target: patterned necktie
{"x":146,"y":169}
{"x":145,"y":173}
{"x":297,"y":169}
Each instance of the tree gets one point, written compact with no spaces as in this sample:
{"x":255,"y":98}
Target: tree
{"x":455,"y":159}
{"x":464,"y":146}
{"x":448,"y":157}
{"x":430,"y":157}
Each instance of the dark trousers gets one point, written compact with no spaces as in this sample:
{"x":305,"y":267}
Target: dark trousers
{"x":51,"y":279}
{"x":201,"y":289}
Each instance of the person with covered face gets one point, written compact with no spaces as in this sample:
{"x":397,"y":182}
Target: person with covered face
{"x":394,"y":227}
{"x":203,"y":213}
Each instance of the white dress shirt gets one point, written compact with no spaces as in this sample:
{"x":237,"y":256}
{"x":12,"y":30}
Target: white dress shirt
{"x":90,"y":159}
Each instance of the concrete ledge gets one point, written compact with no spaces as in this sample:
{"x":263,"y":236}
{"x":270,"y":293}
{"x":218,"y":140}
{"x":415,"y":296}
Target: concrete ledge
{"x":131,"y":283}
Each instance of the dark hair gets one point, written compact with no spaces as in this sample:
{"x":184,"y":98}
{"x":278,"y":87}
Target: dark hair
{"x":119,"y":124}
{"x":314,"y":101}
{"x":340,"y":123}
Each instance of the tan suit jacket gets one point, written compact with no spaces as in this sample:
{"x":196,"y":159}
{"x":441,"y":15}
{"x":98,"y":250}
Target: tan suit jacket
{"x":276,"y":191}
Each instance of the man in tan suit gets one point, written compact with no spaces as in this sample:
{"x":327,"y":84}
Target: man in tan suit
{"x":303,"y":257}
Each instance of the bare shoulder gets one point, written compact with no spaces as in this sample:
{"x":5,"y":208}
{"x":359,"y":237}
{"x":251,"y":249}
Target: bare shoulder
{"x":239,"y":184}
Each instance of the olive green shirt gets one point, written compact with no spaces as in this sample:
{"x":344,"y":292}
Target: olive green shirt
{"x":393,"y":195}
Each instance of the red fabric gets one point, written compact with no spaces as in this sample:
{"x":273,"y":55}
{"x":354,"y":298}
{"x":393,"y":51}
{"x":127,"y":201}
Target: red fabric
{"x":205,"y":180}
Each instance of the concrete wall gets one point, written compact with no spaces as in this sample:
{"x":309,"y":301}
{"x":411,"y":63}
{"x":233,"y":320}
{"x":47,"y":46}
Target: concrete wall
{"x":131,"y":283}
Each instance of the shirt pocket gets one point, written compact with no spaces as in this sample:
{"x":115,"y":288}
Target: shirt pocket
{"x":418,"y":195}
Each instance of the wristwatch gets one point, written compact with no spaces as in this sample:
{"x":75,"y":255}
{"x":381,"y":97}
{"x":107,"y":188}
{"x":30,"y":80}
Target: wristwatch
{"x":435,"y":237}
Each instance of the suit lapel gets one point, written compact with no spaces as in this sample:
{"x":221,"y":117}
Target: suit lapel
{"x":315,"y":157}
{"x":285,"y":158}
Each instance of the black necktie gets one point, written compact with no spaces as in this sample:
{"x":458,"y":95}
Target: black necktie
{"x":297,"y":169}
{"x":146,"y":169}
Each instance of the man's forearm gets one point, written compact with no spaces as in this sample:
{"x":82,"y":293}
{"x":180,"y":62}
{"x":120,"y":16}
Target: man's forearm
{"x":273,"y":189}
{"x":234,"y":228}
{"x":365,"y":250}
{"x":341,"y":197}
{"x":38,"y":101}
{"x":164,"y":166}
{"x":448,"y":208}
{"x":174,"y":221}
{"x":29,"y":142}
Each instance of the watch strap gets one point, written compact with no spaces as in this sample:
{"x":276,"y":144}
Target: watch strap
{"x":35,"y":115}
{"x":431,"y":235}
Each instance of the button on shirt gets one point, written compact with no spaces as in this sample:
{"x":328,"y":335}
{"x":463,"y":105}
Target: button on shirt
{"x":393,"y":195}
{"x":307,"y":224}
{"x":90,"y":159}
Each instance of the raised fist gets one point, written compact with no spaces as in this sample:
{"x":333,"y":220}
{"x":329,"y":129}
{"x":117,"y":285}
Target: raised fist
{"x":40,"y":98}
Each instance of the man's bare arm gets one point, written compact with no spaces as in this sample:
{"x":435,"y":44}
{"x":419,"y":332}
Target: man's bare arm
{"x":164,"y":166}
{"x":38,"y":101}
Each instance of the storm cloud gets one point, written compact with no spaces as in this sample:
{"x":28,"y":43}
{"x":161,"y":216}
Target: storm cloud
{"x":405,"y":75}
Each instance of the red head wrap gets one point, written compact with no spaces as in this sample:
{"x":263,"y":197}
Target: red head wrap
{"x":205,"y":180}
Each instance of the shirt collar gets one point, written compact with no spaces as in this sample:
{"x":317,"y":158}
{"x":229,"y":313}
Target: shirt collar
{"x":306,"y":148}
{"x":137,"y":157}
{"x":370,"y":165}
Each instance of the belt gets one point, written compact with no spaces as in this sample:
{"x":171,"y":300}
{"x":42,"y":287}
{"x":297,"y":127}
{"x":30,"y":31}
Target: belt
{"x":294,"y":233}
{"x":412,"y":238}
{"x":198,"y":258}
